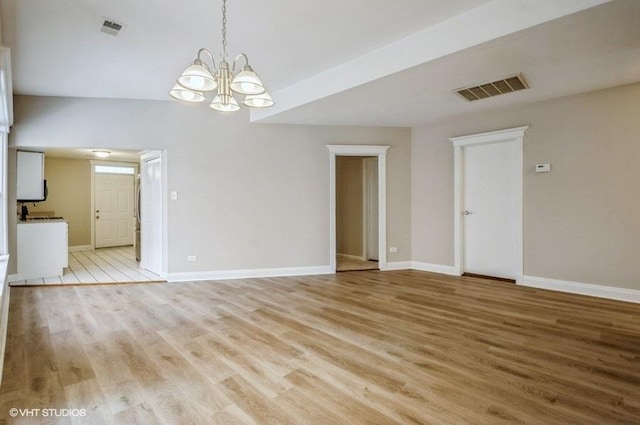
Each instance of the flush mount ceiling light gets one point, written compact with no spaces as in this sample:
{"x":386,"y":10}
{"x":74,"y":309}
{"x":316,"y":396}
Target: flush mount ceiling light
{"x":200,"y":78}
{"x":101,"y":154}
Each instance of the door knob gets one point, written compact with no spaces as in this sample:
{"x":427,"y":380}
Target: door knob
{"x":467,"y":212}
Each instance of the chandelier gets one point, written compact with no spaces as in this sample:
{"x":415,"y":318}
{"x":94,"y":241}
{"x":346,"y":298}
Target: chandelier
{"x":199,"y":78}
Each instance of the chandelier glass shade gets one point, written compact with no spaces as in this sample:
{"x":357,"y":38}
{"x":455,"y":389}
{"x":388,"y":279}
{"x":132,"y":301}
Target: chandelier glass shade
{"x":181,"y":93}
{"x":262,"y":100}
{"x":199,"y":79}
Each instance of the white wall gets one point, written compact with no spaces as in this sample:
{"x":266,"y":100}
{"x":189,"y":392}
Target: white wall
{"x":250,"y":196}
{"x":582,"y":220}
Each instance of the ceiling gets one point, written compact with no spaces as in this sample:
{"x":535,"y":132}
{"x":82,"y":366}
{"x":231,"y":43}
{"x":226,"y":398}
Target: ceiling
{"x":355,"y":62}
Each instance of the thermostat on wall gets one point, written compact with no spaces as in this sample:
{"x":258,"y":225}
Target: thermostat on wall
{"x":543,"y":168}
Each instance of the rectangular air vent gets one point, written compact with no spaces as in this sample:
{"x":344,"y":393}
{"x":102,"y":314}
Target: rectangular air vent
{"x":111,"y":27}
{"x":494,"y":88}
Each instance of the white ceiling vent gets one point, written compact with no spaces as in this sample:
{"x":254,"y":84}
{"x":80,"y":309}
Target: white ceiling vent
{"x":494,"y":88}
{"x":111,"y":27}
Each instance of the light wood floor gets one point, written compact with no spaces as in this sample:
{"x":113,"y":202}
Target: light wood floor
{"x":372,"y":347}
{"x":103,"y":265}
{"x":349,"y":264}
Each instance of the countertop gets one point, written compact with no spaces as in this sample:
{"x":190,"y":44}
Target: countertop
{"x":36,"y":220}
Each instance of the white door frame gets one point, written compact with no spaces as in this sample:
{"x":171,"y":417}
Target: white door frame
{"x":93,"y":163}
{"x":4,"y":202}
{"x":512,"y":135}
{"x":359,"y":150}
{"x":366,"y":204}
{"x":147,"y":156}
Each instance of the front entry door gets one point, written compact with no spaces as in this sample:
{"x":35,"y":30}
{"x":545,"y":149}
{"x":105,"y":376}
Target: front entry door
{"x":114,"y":210}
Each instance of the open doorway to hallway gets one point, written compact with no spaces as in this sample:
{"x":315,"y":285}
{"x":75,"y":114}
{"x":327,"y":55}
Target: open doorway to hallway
{"x":356,"y":213}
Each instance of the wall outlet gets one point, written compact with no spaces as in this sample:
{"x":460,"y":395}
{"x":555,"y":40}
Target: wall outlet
{"x":174,"y":195}
{"x":393,"y":249}
{"x":543,"y":168}
{"x":192,"y":258}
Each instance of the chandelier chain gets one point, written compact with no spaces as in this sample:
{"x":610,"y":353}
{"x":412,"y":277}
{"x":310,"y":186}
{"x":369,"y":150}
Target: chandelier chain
{"x":224,"y":29}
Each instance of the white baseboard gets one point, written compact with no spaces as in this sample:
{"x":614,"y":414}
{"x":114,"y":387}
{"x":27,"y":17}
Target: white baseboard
{"x":5,"y":294}
{"x":79,"y":248}
{"x":610,"y":292}
{"x":399,"y":265}
{"x":249,"y":273}
{"x":434,"y":268}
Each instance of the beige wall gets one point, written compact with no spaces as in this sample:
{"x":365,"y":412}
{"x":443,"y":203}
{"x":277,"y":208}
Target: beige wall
{"x":250,"y":195}
{"x":349,"y":208}
{"x":581,"y":220}
{"x":69,"y":185}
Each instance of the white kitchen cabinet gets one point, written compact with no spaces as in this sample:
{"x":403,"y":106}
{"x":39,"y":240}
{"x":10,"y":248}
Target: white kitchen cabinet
{"x":42,"y":248}
{"x":30,"y":176}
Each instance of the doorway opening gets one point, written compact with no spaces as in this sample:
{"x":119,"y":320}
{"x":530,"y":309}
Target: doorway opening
{"x":357,"y":207}
{"x":97,"y":198}
{"x":356,"y":213}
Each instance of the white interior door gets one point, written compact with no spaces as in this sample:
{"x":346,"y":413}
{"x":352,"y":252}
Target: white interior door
{"x":490,"y":209}
{"x":151,"y":214}
{"x":114,"y":210}
{"x":371,"y":208}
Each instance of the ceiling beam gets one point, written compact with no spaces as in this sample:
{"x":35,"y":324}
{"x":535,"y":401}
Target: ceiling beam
{"x":485,"y":23}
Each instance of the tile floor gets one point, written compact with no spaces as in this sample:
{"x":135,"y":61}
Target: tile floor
{"x":104,"y":265}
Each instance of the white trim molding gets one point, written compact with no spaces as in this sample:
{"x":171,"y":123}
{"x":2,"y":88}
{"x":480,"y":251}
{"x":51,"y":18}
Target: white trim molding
{"x":601,"y":291}
{"x":6,"y":91}
{"x":248,"y":273}
{"x":510,"y":135}
{"x":434,"y":268}
{"x":359,"y":150}
{"x":5,"y":294}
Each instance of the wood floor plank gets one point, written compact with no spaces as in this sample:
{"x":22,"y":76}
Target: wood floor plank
{"x":254,"y":403}
{"x":118,"y":384}
{"x":94,"y":409}
{"x":140,"y":414}
{"x":401,"y":347}
{"x":73,"y":364}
